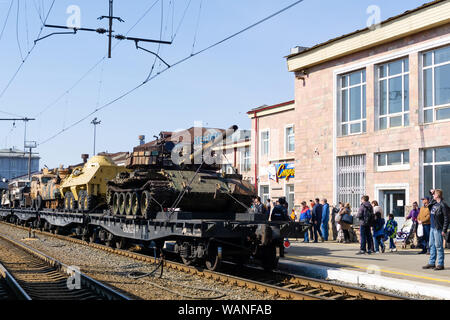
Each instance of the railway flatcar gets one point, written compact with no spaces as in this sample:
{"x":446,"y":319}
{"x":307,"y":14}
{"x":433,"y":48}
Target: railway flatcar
{"x":204,"y":212}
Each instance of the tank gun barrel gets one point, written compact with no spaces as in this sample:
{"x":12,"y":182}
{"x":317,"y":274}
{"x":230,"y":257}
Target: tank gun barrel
{"x":213,"y":143}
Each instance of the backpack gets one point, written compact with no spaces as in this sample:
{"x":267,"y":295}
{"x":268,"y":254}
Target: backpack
{"x":369,"y":216}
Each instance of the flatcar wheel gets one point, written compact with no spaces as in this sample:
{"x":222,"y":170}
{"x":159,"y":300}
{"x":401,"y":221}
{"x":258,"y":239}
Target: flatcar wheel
{"x":121,"y":243}
{"x":110,"y":240}
{"x":93,"y":237}
{"x":109,"y":243}
{"x":128,"y":203}
{"x":187,"y":261}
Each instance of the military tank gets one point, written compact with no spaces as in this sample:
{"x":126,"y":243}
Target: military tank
{"x":158,"y":184}
{"x":85,"y":188}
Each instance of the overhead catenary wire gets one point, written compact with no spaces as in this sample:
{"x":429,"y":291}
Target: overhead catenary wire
{"x":123,"y":95}
{"x":17,"y":30}
{"x":24,"y":60}
{"x":26,"y":25}
{"x":84,"y":75}
{"x":197,"y":25}
{"x":6,"y":20}
{"x":38,"y":11}
{"x":181,"y":21}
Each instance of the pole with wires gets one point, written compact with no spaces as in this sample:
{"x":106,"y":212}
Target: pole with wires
{"x":95,"y":122}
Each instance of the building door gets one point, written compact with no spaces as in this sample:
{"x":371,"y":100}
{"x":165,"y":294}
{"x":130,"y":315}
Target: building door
{"x":394,"y":201}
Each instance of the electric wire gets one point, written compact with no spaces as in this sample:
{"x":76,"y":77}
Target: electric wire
{"x":196,"y":27}
{"x":160,"y":38}
{"x":77,"y":82}
{"x":38,"y":11}
{"x":26,"y":25}
{"x":6,"y":20}
{"x":28,"y":54}
{"x":17,"y":30}
{"x":123,"y":95}
{"x":181,"y":21}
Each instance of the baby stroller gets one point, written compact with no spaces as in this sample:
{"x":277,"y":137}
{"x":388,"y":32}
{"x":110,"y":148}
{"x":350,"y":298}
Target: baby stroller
{"x":406,"y":234}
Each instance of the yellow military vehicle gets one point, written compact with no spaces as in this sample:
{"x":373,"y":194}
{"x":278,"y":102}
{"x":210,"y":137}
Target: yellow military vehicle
{"x":45,"y":191}
{"x":85,"y":188}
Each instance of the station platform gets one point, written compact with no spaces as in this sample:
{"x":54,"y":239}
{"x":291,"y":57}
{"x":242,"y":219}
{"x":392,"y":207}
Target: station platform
{"x":398,"y":271}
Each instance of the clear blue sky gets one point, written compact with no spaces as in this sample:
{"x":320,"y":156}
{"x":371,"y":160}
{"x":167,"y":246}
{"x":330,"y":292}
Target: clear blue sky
{"x":217,"y":87}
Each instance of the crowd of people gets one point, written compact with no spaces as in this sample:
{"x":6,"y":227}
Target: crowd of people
{"x":430,"y":223}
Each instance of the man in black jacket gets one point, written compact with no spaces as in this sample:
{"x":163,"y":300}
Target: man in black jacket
{"x":317,"y":219}
{"x":279,"y":212}
{"x":439,"y":214}
{"x":366,"y":216}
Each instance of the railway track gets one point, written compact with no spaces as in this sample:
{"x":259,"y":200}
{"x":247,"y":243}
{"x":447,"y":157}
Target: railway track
{"x":31,"y":275}
{"x":9,"y":287}
{"x":278,"y":284}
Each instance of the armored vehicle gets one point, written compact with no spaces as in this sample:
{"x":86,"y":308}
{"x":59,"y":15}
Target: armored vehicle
{"x":85,"y":188}
{"x":159,"y":184}
{"x":17,"y":195}
{"x":45,"y":191}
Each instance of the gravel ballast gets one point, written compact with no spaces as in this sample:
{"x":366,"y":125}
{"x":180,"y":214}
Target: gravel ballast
{"x":123,"y":273}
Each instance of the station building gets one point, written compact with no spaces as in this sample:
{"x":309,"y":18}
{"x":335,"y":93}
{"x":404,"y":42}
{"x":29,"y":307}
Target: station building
{"x":372,"y":112}
{"x":273,"y":150}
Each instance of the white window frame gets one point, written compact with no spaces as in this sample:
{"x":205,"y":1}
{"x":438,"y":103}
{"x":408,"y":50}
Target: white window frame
{"x":261,"y":154}
{"x":261,"y":194}
{"x":386,"y":78}
{"x":286,"y":138}
{"x":363,"y":120}
{"x":433,"y":164}
{"x":386,"y":167}
{"x":243,"y":159}
{"x":433,"y":66}
{"x":287,"y":193}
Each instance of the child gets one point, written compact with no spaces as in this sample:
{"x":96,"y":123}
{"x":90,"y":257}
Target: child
{"x":391,"y":232}
{"x":305,"y":216}
{"x":378,"y":233}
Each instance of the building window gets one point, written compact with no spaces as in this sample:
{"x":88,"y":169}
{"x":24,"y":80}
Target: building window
{"x":436,"y":85}
{"x":391,"y":161}
{"x":393,"y":88}
{"x":352,"y":103}
{"x":228,"y":169}
{"x":264,"y":193}
{"x":265,"y":137}
{"x":290,"y":197}
{"x":436,"y":170}
{"x":245,"y":163}
{"x":290,"y":142}
{"x":351,"y":180}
